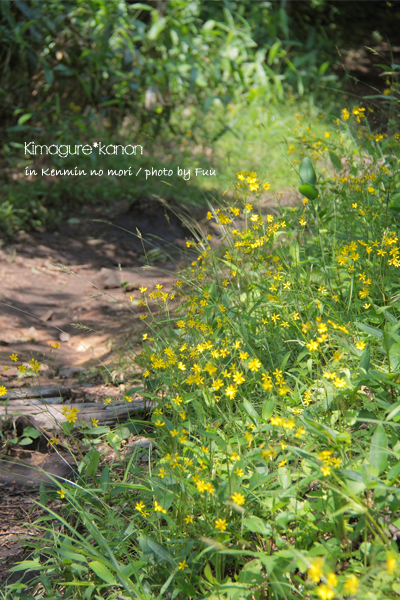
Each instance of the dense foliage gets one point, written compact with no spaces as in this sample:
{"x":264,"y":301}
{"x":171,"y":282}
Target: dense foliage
{"x":72,"y":70}
{"x":62,"y":63}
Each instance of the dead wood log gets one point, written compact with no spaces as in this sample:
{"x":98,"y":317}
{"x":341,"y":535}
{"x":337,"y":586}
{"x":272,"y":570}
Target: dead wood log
{"x":45,"y":391}
{"x":50,"y":415}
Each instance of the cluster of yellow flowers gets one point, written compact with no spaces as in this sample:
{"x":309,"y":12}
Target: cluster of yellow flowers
{"x":357,"y":111}
{"x":70,"y":413}
{"x":327,"y":591}
{"x":250,"y":181}
{"x":349,"y":255}
{"x":33,"y":365}
{"x":326,"y":457}
{"x":288,"y":424}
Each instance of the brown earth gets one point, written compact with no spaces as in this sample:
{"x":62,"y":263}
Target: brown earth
{"x":38,"y":301}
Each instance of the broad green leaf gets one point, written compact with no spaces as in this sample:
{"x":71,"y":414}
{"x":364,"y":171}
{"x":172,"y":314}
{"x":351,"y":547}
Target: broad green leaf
{"x":102,"y":572}
{"x":209,"y":25}
{"x":365,"y":359}
{"x":378,"y":450}
{"x":284,"y":477}
{"x":97,"y":430}
{"x":31,"y":432}
{"x":309,"y":191}
{"x":105,"y":479}
{"x":307,"y":173}
{"x":149,"y":546}
{"x":369,"y":329}
{"x":208,"y":574}
{"x":285,"y":360}
{"x":393,"y":412}
{"x":257,"y":525}
{"x":25,"y":441}
{"x":335,"y":160}
{"x":93,"y":464}
{"x":156,"y":29}
{"x":138,"y":388}
{"x":249,"y":409}
{"x":26,"y":565}
{"x":394,"y":355}
{"x":268,"y":409}
{"x":217,"y":439}
{"x":394,"y":472}
{"x":273,"y":51}
{"x":257,"y":479}
{"x":140,"y":6}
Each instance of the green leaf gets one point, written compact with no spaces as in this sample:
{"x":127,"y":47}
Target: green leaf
{"x":24,"y":118}
{"x":365,"y":360}
{"x":284,"y":477}
{"x":156,"y":29}
{"x":335,"y":160}
{"x":208,"y":574}
{"x":309,"y":191}
{"x":149,"y":546}
{"x":378,"y":450}
{"x":43,"y":494}
{"x":368,"y":329}
{"x":140,"y":6}
{"x":25,"y":441}
{"x":97,"y":430}
{"x":257,"y":525}
{"x":26,"y":565}
{"x":138,"y":388}
{"x":94,"y":462}
{"x":101,"y":571}
{"x":105,"y":479}
{"x":394,"y":355}
{"x":268,"y":409}
{"x":31,"y":432}
{"x":307,"y":173}
{"x":394,"y":472}
{"x":249,"y":409}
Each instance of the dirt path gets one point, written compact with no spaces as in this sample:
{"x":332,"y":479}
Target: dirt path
{"x":39,"y":301}
{"x":41,"y":305}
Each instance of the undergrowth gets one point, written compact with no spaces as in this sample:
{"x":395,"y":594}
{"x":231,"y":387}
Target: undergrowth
{"x":274,"y":384}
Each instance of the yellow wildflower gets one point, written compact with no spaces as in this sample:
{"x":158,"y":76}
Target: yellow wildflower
{"x":351,"y":584}
{"x":315,"y":570}
{"x":221,"y":524}
{"x":238,"y":498}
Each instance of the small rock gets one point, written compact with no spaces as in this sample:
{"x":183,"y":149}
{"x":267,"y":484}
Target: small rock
{"x":107,"y":279}
{"x":69,"y":371}
{"x":31,"y":333}
{"x":64,"y":337}
{"x":47,"y":315}
{"x":143,"y":442}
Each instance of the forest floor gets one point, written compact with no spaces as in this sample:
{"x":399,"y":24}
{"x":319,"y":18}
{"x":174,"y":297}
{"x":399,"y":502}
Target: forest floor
{"x":41,"y":305}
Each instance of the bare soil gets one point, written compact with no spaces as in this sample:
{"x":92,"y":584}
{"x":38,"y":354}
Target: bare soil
{"x":39,"y":300}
